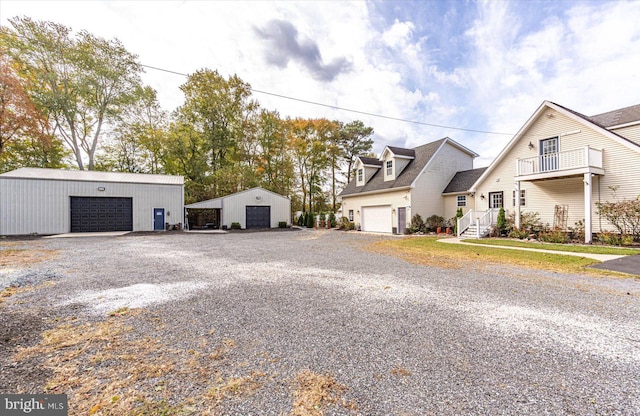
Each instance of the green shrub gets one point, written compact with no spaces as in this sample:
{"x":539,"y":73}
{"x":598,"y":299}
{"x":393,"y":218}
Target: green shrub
{"x":346,"y":225}
{"x":501,"y":222}
{"x":433,"y":222}
{"x":310,"y":218}
{"x":235,"y":226}
{"x":417,"y":224}
{"x":282,"y":224}
{"x":301,"y":221}
{"x":577,"y":231}
{"x":554,"y":236}
{"x":332,"y":220}
{"x":516,"y":233}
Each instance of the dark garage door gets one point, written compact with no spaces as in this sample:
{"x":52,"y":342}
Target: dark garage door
{"x":93,"y":214}
{"x":258,"y":217}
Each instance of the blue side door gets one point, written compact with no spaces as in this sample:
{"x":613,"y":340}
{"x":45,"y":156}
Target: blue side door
{"x":158,"y":219}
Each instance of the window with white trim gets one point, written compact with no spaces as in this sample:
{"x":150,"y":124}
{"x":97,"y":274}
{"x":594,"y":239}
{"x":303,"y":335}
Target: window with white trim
{"x":351,"y":215}
{"x":360,"y":174}
{"x":523,"y":199}
{"x":389,"y":167}
{"x":462,"y":200}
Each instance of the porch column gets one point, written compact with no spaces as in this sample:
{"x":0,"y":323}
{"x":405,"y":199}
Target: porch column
{"x":587,"y":207}
{"x":517,"y":204}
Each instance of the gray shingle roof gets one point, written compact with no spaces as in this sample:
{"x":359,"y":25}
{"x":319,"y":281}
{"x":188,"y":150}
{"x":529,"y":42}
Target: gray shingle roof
{"x":422,"y":154}
{"x":463,"y":180}
{"x":400,"y":151}
{"x":617,"y":117}
{"x":370,"y":160}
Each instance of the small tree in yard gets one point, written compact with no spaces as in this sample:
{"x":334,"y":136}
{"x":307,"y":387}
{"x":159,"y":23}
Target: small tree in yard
{"x":417,"y":224}
{"x":310,"y":219}
{"x":332,"y":220}
{"x":459,"y":214}
{"x":501,"y":223}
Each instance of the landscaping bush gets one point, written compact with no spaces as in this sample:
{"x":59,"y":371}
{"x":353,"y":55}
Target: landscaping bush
{"x":417,"y":225}
{"x":346,"y":225}
{"x":501,"y":222}
{"x":615,"y":239}
{"x":322,"y":220}
{"x":624,"y":215}
{"x":235,"y":226}
{"x":554,"y":236}
{"x":516,"y":233}
{"x":433,"y":222}
{"x":282,"y":224}
{"x":577,"y":231}
{"x":332,"y":220}
{"x":310,"y":219}
{"x":301,"y":221}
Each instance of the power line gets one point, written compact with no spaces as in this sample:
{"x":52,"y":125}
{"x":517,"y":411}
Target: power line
{"x":422,"y":123}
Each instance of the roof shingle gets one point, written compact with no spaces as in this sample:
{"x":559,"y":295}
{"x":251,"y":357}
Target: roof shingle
{"x":463,"y":180}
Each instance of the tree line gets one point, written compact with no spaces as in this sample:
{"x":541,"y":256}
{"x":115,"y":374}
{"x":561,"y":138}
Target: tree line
{"x":77,"y":101}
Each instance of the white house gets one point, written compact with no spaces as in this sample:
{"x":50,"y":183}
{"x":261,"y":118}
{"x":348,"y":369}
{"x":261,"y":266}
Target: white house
{"x":387,"y":191}
{"x":559,"y":165}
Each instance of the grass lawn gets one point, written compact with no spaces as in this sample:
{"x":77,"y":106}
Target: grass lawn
{"x":428,"y":251}
{"x":556,"y":247}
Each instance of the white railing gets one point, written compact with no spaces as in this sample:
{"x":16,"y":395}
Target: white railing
{"x":464,"y":222}
{"x":482,"y":220}
{"x":570,"y":159}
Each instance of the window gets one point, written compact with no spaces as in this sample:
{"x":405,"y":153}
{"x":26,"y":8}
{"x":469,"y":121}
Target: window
{"x":351,"y":215}
{"x":495,"y":199}
{"x":462,"y":200}
{"x":549,"y":154}
{"x":389,"y":167}
{"x":522,"y":198}
{"x":360,"y":174}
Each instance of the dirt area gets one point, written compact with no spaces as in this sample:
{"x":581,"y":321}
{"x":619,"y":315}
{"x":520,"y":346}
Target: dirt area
{"x":309,"y":323}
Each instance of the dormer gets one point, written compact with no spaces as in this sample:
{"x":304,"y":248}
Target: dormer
{"x":394,"y":160}
{"x":366,"y":167}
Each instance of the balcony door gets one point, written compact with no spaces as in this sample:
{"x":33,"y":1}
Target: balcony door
{"x":549,"y":154}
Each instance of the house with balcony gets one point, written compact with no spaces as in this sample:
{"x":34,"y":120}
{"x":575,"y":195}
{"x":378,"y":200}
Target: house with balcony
{"x":560,"y":164}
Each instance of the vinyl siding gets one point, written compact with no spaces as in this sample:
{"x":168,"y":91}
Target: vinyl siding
{"x":234,"y":207}
{"x":620,"y":163}
{"x":631,"y":133}
{"x":426,"y":197}
{"x":451,"y":205}
{"x":395,"y":199}
{"x":41,"y":206}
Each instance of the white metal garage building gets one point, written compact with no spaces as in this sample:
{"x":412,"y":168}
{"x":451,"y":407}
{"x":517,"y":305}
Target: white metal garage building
{"x":253,"y":208}
{"x":53,"y":201}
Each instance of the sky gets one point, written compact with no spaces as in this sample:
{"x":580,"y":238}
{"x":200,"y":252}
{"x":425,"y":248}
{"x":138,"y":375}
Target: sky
{"x":482,"y":67}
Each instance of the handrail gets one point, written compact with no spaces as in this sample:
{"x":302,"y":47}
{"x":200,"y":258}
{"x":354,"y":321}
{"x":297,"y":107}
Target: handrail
{"x":464,"y":222}
{"x":485,"y":221}
{"x":569,"y":159}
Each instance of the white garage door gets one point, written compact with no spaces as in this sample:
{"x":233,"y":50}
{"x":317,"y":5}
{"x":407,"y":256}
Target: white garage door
{"x":376,"y":219}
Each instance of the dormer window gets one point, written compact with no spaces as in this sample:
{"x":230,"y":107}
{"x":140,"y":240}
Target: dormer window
{"x":389,"y":167}
{"x":360,"y":175}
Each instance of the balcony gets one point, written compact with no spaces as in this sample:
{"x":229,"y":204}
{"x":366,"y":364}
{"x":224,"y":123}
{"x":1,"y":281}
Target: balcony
{"x":560,"y":165}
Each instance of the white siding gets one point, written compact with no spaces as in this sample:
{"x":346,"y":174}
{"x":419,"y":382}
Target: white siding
{"x":620,"y":163}
{"x":42,"y":206}
{"x":395,"y":199}
{"x":234,"y":206}
{"x":451,"y":205}
{"x":426,"y":197}
{"x":631,"y":132}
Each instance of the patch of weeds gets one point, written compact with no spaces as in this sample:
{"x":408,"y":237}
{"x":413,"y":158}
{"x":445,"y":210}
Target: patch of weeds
{"x":314,"y":392}
{"x":120,"y":311}
{"x":235,"y":386}
{"x":24,"y":257}
{"x":400,"y":372}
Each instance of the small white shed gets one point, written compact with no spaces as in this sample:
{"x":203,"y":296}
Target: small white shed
{"x":253,"y":208}
{"x":54,"y":201}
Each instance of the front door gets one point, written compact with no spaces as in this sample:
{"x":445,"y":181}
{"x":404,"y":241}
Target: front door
{"x":402,"y":220}
{"x":549,"y":154}
{"x":495,"y":199}
{"x":158,"y":219}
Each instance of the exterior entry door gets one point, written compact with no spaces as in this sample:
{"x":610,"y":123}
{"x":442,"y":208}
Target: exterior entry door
{"x":495,"y":199}
{"x":549,"y":154}
{"x":158,"y":219}
{"x":402,"y":220}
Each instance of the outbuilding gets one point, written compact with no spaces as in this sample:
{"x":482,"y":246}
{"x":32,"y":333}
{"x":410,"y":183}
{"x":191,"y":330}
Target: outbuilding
{"x":253,"y":208}
{"x":54,"y":201}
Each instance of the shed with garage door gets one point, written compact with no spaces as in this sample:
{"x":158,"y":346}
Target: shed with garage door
{"x":54,"y":201}
{"x":253,"y":208}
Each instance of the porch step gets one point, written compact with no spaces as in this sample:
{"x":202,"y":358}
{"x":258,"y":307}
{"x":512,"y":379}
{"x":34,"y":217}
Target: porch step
{"x":472,"y":232}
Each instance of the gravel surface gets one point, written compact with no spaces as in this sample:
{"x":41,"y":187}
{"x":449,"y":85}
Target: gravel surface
{"x":402,"y":339}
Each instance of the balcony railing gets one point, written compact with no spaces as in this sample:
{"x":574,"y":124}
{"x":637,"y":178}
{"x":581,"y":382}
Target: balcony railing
{"x":562,"y":161}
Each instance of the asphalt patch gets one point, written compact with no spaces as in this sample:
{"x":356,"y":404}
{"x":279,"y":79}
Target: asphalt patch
{"x":628,"y":264}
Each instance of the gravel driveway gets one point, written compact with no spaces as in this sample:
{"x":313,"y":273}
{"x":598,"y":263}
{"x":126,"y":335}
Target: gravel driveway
{"x":260,"y":309}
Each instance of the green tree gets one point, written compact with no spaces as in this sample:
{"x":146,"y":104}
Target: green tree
{"x":355,"y":140}
{"x":80,"y":83}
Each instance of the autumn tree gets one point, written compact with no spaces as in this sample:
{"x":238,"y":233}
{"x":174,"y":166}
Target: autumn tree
{"x":275,"y":165}
{"x":217,"y":108}
{"x":82,"y":81}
